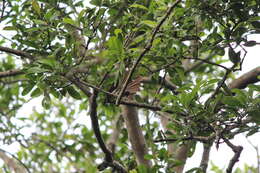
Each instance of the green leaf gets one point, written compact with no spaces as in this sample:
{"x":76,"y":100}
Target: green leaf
{"x":196,"y":170}
{"x":55,"y":93}
{"x":48,"y":61}
{"x":37,"y":92}
{"x":142,"y":169}
{"x":39,"y":22}
{"x":148,"y":157}
{"x":9,"y":28}
{"x":256,"y":18}
{"x":117,"y":31}
{"x":73,"y":93}
{"x":69,"y":21}
{"x":232,"y":101}
{"x":46,"y":103}
{"x":27,"y":89}
{"x":138,"y":6}
{"x":36,"y":7}
{"x":149,"y":23}
{"x":255,"y":114}
{"x":36,"y":70}
{"x":254,"y":87}
{"x":96,"y":2}
{"x":115,"y":44}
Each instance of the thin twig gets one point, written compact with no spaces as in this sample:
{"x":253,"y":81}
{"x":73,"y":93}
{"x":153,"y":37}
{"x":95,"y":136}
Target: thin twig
{"x":146,"y":49}
{"x":164,"y":66}
{"x":197,"y":138}
{"x":208,"y":62}
{"x":221,"y":83}
{"x":3,"y":9}
{"x":94,"y":31}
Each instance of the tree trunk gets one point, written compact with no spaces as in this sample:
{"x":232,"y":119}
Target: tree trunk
{"x":179,"y":153}
{"x":135,"y":134}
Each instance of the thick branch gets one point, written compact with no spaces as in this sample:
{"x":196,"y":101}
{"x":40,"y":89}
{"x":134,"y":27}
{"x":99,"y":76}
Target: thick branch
{"x":237,"y":150}
{"x":179,"y":152}
{"x":182,"y":155}
{"x":117,"y":126}
{"x":16,"y":52}
{"x":95,"y":125}
{"x":146,"y":49}
{"x":135,"y":134}
{"x":205,"y":156}
{"x":12,"y":164}
{"x":247,"y":78}
{"x":9,"y":73}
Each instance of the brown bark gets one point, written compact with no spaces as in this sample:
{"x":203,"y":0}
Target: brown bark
{"x":11,"y":163}
{"x":16,"y":52}
{"x":9,"y":73}
{"x":164,"y":122}
{"x":205,"y":156}
{"x":245,"y":79}
{"x":180,"y":153}
{"x":135,"y":134}
{"x":117,"y":126}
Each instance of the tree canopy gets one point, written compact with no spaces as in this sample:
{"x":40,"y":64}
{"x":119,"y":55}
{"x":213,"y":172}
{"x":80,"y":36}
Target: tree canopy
{"x":125,"y":86}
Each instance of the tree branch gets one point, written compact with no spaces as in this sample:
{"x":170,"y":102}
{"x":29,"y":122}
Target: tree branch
{"x":206,"y":61}
{"x":117,"y":126}
{"x":12,"y":164}
{"x":135,"y":135}
{"x":9,"y":73}
{"x":182,"y":155}
{"x":205,"y":156}
{"x":196,"y":65}
{"x":197,"y":138}
{"x":245,"y":79}
{"x":95,"y":125}
{"x":17,"y":52}
{"x":146,"y":49}
{"x":237,"y":150}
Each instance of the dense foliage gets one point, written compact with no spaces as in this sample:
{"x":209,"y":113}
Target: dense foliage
{"x":87,"y":62}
